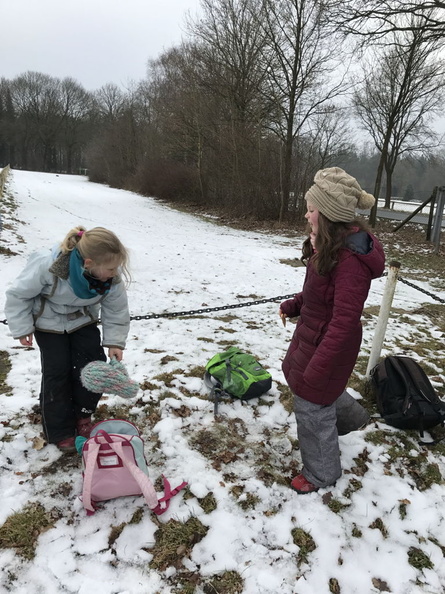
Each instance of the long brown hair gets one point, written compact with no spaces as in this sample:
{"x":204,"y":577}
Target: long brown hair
{"x":330,"y":239}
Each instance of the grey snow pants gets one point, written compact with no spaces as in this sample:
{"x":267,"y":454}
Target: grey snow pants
{"x":318,"y":428}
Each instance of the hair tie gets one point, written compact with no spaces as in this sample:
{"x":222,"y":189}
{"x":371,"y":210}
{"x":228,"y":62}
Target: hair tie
{"x":80,"y":233}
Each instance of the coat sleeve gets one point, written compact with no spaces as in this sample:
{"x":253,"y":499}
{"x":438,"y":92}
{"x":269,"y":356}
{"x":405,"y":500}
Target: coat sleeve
{"x":292,"y":307}
{"x":115,"y":317}
{"x":340,"y":344}
{"x":34,"y":279}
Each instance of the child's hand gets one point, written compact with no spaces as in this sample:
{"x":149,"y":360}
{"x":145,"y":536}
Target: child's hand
{"x":283,"y":317}
{"x":26,"y":340}
{"x":115,"y":353}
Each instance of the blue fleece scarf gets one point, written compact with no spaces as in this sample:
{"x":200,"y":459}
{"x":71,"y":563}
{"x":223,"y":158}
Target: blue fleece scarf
{"x":84,"y":285}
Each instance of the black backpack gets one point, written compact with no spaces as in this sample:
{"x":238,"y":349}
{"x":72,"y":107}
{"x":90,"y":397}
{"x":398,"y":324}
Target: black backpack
{"x":404,"y":394}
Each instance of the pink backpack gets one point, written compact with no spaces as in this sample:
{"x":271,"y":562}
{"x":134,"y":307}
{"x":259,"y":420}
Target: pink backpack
{"x":114,"y":465}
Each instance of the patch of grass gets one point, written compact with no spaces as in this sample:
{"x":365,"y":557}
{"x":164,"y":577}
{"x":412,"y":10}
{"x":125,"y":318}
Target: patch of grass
{"x":5,"y":251}
{"x":146,"y":385}
{"x":174,"y":541}
{"x":378,"y":437}
{"x":403,"y":505}
{"x":305,"y":542}
{"x":118,"y":411}
{"x":185,"y":582}
{"x":286,"y":397}
{"x":221,"y":440}
{"x":356,"y":532}
{"x":294,"y":262}
{"x":336,"y":505}
{"x":167,"y":359}
{"x":208,"y":503}
{"x":418,"y":559}
{"x":334,"y":586}
{"x":22,"y":529}
{"x":269,"y":472}
{"x":433,"y":311}
{"x":254,"y":325}
{"x":226,"y":318}
{"x":379,"y":525}
{"x":168,"y":377}
{"x":229,"y":582}
{"x":361,"y":463}
{"x":63,"y":463}
{"x":244,"y":500}
{"x":353,"y":486}
{"x":425,"y":475}
{"x":404,"y":456}
{"x":197,"y":371}
{"x":5,"y":368}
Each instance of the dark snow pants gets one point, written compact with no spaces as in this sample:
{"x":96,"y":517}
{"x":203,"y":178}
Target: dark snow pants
{"x":63,"y":399}
{"x":318,"y":428}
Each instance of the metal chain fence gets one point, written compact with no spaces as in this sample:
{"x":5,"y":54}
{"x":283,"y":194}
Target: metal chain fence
{"x":279,"y":298}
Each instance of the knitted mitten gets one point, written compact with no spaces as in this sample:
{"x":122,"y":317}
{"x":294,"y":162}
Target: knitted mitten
{"x":111,"y":378}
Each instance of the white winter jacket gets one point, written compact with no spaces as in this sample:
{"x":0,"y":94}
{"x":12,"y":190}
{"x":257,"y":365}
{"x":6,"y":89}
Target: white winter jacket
{"x":41,"y":298}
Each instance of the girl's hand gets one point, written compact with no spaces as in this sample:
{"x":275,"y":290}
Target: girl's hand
{"x":26,"y":340}
{"x":115,"y":353}
{"x":283,"y":317}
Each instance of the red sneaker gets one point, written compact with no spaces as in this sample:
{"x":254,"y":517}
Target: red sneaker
{"x":301,"y":485}
{"x":67,"y":446}
{"x":84,"y":427}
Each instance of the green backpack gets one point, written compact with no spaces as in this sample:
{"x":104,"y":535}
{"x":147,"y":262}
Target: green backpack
{"x":236,"y":374}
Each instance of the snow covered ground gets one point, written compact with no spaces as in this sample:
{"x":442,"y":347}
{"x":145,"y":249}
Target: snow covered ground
{"x":363,"y":535}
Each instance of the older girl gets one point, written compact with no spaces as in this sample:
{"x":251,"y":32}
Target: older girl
{"x":342,"y":259}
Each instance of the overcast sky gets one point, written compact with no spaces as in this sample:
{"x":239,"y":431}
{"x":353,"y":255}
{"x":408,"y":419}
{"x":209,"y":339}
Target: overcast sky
{"x":92,"y":41}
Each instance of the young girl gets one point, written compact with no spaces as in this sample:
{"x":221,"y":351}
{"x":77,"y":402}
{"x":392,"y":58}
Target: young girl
{"x":342,"y":259}
{"x":59,"y":297}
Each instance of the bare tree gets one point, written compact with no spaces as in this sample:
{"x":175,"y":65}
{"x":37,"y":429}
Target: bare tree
{"x":302,"y":59}
{"x":374,"y":19}
{"x":231,"y":74}
{"x":401,"y":86}
{"x":110,"y":101}
{"x":77,"y":108}
{"x":8,"y":128}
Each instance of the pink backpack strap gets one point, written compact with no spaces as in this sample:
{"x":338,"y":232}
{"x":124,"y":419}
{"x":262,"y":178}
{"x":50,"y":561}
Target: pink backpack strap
{"x":140,"y":477}
{"x":164,"y":502}
{"x":93,"y":451}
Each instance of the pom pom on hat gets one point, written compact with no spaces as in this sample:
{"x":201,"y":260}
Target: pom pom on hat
{"x":336,"y":194}
{"x":111,"y":378}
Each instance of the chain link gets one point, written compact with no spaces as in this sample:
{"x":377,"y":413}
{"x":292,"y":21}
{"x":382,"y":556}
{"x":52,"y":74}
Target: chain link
{"x":177,"y":314}
{"x":412,"y":285}
{"x":193,"y":312}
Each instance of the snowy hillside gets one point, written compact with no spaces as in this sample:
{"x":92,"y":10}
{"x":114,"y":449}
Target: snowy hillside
{"x":238,"y":528}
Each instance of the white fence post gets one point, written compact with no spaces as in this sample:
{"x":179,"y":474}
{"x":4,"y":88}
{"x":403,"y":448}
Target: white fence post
{"x":437,"y":222}
{"x":382,"y":322}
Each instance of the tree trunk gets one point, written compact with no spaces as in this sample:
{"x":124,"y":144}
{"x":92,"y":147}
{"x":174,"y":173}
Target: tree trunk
{"x":388,"y":187}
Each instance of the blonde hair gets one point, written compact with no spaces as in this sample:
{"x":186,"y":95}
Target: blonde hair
{"x":98,"y":244}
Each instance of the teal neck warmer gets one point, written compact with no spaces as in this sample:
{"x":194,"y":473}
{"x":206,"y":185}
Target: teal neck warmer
{"x":79,"y":283}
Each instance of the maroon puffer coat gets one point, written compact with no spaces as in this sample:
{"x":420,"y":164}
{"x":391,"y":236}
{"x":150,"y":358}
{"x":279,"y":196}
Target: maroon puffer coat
{"x":326,"y":341}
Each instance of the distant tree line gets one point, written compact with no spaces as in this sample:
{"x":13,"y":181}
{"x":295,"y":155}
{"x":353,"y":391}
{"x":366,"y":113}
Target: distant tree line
{"x":240,"y":116}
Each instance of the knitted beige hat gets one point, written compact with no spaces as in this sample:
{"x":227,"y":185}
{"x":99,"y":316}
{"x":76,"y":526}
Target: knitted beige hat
{"x":336,"y":194}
